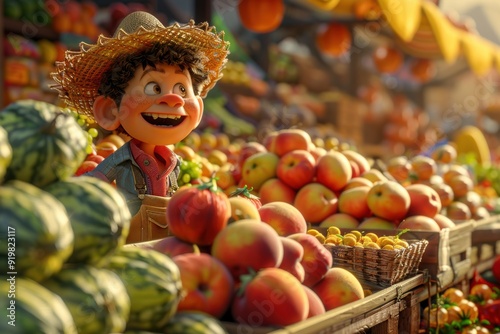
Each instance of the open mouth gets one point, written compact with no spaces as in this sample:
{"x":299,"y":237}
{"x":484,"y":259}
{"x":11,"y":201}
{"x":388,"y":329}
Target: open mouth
{"x":163,"y":120}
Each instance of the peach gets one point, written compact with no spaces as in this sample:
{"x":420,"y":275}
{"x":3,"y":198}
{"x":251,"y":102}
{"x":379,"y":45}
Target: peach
{"x":443,"y":221}
{"x":341,"y":220}
{"x":374,"y":175}
{"x":283,"y":217}
{"x":296,"y":168}
{"x":454,"y":170}
{"x":460,"y":185}
{"x":316,"y":202}
{"x":258,"y":168}
{"x":357,"y":182}
{"x":359,"y":159}
{"x":419,"y":223}
{"x":424,"y":200}
{"x":333,"y":170}
{"x":445,"y":193}
{"x":316,"y":260}
{"x":247,"y":244}
{"x":354,"y":202}
{"x":444,"y":154}
{"x":316,"y":306}
{"x":376,"y":223}
{"x":173,"y":246}
{"x":293,"y":252}
{"x":275,"y":190}
{"x":422,"y":167}
{"x":249,"y":149}
{"x":399,"y":167}
{"x":337,"y":288}
{"x":388,"y":200}
{"x":242,"y":208}
{"x":287,"y":140}
{"x":206,"y":283}
{"x":272,"y":297}
{"x":473,"y":200}
{"x":458,"y":211}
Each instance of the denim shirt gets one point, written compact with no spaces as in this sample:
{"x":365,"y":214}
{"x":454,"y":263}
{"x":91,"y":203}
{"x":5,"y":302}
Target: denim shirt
{"x":118,"y":167}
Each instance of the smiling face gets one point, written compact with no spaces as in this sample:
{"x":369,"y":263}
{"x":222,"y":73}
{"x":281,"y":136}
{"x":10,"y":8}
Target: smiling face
{"x":159,"y":106}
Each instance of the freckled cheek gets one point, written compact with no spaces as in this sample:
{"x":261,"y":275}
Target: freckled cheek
{"x":134,"y":104}
{"x":191,"y":106}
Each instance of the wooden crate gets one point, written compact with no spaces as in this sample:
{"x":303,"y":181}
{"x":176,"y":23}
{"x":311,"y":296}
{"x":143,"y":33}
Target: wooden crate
{"x":391,"y":310}
{"x":485,"y":239}
{"x":447,"y":257}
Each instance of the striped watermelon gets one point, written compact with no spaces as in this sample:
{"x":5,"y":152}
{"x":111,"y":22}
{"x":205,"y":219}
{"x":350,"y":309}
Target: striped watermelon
{"x":5,"y":153}
{"x":33,"y":309}
{"x":153,"y":283}
{"x":194,"y":322}
{"x":47,"y":143}
{"x":96,"y":298}
{"x":99,"y":216}
{"x":35,"y":228}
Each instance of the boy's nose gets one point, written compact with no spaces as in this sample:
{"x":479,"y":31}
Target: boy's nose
{"x":172,"y":100}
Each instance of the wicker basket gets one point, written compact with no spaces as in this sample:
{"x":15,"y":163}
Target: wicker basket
{"x":380,"y":266}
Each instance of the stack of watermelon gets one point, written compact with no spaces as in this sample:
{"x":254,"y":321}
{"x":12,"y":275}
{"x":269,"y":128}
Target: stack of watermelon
{"x":66,"y":270}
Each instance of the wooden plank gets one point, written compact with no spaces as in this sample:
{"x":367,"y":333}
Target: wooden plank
{"x":409,"y":316}
{"x":345,"y":314}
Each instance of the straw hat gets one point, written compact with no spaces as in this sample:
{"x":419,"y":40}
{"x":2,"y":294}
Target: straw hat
{"x":79,"y":75}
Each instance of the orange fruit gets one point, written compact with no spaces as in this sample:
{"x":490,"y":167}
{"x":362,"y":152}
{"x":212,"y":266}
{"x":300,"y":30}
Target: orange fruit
{"x":61,"y":23}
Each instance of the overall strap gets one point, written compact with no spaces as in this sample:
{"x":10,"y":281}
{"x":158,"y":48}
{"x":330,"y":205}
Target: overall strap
{"x":139,"y":182}
{"x":172,"y":177}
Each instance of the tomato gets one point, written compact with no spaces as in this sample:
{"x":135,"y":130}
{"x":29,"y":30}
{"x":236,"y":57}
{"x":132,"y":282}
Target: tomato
{"x":437,"y":317}
{"x":483,"y":291}
{"x":197,"y":214}
{"x":261,"y":16}
{"x":335,"y":40}
{"x":422,"y":70}
{"x":454,"y":313}
{"x":469,"y":309}
{"x":246,"y":194}
{"x":491,"y":312}
{"x":453,"y":295}
{"x":387,"y":59}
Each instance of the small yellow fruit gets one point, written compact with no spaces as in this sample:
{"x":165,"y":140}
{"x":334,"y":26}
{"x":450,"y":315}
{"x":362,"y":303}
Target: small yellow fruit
{"x":385,"y":242}
{"x":358,"y":244}
{"x":402,"y":243}
{"x":373,"y":245}
{"x":357,"y":234}
{"x":350,"y":235}
{"x":388,"y":247}
{"x":372,"y":236}
{"x":349,"y":241}
{"x":321,"y":238}
{"x":313,"y":232}
{"x":332,"y":239}
{"x":399,"y":247}
{"x":365,"y":239}
{"x":333,"y":230}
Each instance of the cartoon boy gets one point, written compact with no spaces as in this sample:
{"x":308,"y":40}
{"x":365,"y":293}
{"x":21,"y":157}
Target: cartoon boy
{"x":147,"y":81}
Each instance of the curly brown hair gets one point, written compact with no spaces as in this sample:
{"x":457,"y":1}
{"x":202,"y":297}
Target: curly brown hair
{"x":115,"y":80}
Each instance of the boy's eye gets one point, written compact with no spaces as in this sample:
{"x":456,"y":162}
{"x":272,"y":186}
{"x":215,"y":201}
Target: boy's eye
{"x":180,"y":89}
{"x":152,"y":88}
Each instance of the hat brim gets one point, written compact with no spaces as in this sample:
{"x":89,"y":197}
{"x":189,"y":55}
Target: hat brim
{"x":79,"y":75}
